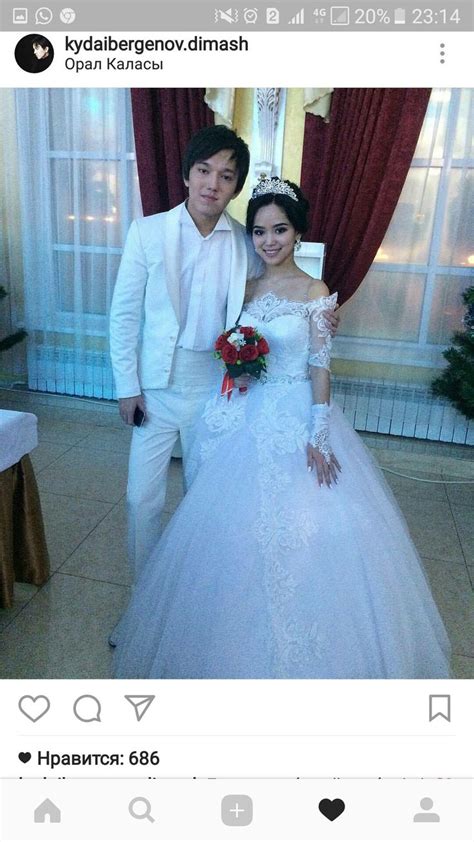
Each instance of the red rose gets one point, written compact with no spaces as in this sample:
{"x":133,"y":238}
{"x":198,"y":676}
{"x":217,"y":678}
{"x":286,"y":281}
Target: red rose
{"x":247,"y":331}
{"x":230,"y":354}
{"x":262,"y":346}
{"x":220,"y":342}
{"x":248,"y":353}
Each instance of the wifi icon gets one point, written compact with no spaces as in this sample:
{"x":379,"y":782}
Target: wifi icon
{"x":298,"y":18}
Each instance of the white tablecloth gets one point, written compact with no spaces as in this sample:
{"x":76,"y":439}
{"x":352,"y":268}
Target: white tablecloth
{"x":18,"y":436}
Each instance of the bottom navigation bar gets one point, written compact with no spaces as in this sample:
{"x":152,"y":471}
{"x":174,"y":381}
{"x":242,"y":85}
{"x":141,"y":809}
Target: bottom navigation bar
{"x":262,"y":809}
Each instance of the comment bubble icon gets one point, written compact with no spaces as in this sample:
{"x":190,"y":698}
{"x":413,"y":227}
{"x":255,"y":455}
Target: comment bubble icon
{"x":87,"y":709}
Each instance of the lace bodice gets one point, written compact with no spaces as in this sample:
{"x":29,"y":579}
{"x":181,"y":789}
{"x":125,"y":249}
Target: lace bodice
{"x":295,"y":331}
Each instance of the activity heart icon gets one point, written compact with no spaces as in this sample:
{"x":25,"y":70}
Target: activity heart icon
{"x":331,"y":809}
{"x":34,"y":707}
{"x":24,"y":756}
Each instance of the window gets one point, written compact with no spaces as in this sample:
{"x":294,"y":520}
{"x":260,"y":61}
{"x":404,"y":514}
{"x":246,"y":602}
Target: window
{"x":79,"y":193}
{"x":410,"y":302}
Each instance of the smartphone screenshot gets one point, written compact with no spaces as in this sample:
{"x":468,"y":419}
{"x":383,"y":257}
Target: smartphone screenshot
{"x":236,"y":421}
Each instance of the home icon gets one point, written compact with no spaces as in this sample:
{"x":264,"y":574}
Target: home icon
{"x":47,"y":811}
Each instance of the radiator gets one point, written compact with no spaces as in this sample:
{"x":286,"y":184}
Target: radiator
{"x":66,"y":371}
{"x":400,"y":410}
{"x":369,"y":405}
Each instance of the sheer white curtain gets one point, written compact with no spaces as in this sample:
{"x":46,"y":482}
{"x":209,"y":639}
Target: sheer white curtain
{"x":78,"y":194}
{"x":409,"y":304}
{"x":12,"y":362}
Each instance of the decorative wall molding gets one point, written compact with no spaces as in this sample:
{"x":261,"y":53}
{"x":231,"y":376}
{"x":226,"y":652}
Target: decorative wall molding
{"x":269,"y":120}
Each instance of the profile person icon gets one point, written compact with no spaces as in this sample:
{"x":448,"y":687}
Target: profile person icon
{"x":426,"y":805}
{"x":34,"y":53}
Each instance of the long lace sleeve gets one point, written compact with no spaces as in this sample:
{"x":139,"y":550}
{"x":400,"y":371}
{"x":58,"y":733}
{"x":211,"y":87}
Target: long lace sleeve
{"x":319,"y":359}
{"x":320,"y":335}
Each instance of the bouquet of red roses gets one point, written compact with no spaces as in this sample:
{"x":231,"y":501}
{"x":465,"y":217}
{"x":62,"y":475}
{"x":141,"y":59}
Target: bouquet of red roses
{"x":242,"y":350}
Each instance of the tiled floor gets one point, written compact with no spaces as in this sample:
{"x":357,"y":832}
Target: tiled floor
{"x":60,"y":630}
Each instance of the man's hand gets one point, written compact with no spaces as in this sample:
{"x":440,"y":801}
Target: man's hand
{"x":127,"y":407}
{"x":332,"y":318}
{"x":243,"y":381}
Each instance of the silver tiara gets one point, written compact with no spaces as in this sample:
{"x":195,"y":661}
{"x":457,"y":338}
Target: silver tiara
{"x":275,"y":186}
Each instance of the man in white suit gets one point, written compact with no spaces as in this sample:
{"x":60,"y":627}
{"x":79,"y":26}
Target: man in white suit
{"x":181,"y":279}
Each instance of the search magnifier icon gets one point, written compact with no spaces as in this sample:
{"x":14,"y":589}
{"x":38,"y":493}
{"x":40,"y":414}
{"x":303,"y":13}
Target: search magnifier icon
{"x":140,"y":808}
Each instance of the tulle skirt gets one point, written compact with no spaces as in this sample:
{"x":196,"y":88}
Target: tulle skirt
{"x":263,"y":574}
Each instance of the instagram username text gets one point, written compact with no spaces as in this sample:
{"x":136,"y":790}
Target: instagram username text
{"x":140,"y":46}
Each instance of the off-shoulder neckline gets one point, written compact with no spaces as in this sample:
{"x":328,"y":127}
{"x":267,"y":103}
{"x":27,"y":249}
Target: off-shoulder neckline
{"x":282,"y":300}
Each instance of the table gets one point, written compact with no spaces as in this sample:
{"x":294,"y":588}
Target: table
{"x":23,"y":551}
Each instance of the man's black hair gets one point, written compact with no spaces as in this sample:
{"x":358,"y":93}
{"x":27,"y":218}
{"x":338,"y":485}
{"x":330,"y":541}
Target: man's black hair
{"x":41,"y":41}
{"x":207,"y":142}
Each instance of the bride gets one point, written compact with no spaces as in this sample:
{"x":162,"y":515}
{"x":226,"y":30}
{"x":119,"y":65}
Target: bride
{"x":288,"y":557}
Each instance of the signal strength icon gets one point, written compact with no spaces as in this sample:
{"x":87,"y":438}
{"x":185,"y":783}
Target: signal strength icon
{"x":298,"y":18}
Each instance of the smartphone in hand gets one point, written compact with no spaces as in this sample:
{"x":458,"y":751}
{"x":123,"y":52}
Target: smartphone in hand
{"x":138,"y":417}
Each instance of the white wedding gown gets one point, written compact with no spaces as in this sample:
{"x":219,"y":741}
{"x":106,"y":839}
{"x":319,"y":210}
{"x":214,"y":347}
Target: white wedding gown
{"x":263,"y":574}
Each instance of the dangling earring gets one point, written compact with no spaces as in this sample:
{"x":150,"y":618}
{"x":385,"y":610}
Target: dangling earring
{"x":297,"y":245}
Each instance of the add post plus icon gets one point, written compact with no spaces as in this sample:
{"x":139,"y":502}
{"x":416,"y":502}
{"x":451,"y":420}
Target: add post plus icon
{"x":237,"y":810}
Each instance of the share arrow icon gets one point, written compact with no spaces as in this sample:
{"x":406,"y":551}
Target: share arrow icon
{"x":140,"y":704}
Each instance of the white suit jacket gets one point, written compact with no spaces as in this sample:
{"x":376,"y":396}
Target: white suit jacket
{"x":145,"y":317}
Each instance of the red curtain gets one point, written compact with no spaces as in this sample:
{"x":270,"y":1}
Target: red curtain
{"x":163,"y":121}
{"x":353,"y":172}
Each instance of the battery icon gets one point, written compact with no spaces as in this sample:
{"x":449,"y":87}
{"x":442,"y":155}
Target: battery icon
{"x":399,"y":16}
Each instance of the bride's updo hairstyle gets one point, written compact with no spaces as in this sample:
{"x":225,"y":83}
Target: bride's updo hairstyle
{"x":286,"y":195}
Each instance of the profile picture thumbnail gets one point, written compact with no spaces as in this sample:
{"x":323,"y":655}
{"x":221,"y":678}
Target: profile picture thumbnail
{"x":34,"y":53}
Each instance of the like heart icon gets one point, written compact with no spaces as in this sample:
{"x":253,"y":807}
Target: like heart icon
{"x":34,"y":707}
{"x":331,"y":809}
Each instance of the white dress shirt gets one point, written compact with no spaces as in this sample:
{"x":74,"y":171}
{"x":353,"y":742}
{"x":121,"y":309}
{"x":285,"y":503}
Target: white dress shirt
{"x":204,"y":282}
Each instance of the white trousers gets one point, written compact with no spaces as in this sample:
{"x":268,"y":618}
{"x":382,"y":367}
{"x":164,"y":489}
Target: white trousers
{"x":170,"y":413}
